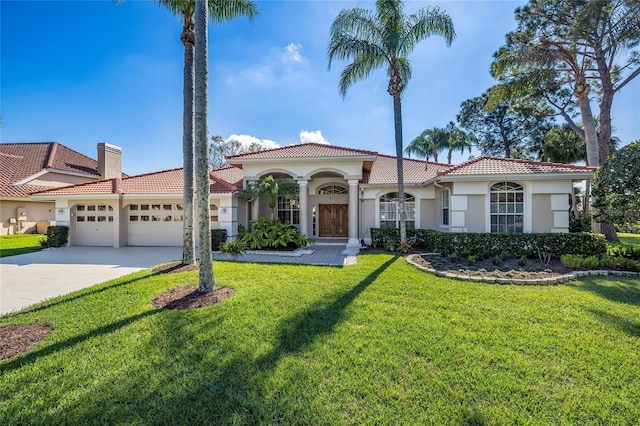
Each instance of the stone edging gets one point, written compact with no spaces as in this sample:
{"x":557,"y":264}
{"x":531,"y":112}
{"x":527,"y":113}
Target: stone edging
{"x":538,"y":281}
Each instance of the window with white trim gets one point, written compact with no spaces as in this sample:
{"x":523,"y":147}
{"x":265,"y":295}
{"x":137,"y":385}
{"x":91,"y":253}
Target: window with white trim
{"x":389,"y":214}
{"x":288,"y":209}
{"x":445,"y":208}
{"x":507,"y":207}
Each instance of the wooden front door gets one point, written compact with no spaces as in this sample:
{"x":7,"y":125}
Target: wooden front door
{"x":333,"y":220}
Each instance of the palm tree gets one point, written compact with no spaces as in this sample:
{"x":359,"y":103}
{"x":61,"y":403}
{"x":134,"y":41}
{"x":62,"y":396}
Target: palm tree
{"x":219,"y":11}
{"x":429,"y":143}
{"x":269,"y":189}
{"x":384,"y":39}
{"x":458,"y":141}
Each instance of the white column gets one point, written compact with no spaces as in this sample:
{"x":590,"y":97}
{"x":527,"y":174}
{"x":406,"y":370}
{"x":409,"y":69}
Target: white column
{"x":304,"y":207}
{"x":354,"y":240}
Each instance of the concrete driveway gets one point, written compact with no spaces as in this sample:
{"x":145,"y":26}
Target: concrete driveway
{"x":30,"y":278}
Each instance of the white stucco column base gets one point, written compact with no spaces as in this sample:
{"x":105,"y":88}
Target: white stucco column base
{"x":354,"y":240}
{"x":304,"y":206}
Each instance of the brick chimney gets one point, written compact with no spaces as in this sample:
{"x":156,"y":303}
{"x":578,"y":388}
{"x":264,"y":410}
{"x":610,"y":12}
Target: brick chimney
{"x":109,"y":161}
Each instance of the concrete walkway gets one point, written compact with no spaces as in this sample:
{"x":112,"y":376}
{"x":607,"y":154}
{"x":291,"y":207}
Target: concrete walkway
{"x":30,"y":278}
{"x":328,"y":255}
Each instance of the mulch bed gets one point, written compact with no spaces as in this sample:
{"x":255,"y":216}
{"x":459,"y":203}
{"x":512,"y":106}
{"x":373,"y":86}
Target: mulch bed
{"x":191,"y":298}
{"x":187,"y":297}
{"x":175,"y":267}
{"x":532,"y":269}
{"x":15,"y":339}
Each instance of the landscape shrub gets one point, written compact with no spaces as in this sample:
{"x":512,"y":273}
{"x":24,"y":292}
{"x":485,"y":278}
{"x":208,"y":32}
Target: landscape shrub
{"x":591,"y":262}
{"x":266,"y":234}
{"x":57,"y":236}
{"x":571,"y":260}
{"x":627,"y":251}
{"x":581,"y":224}
{"x":218,"y":238}
{"x":488,"y":245}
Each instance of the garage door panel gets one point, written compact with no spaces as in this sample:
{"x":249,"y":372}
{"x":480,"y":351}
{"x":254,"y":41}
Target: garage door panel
{"x":94,"y":225}
{"x":154,"y":224}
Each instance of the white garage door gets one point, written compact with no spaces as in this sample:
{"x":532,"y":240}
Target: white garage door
{"x":154,"y":225}
{"x":94,"y":225}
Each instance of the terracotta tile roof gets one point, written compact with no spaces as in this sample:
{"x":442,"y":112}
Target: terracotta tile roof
{"x":506,"y":166}
{"x":230,"y":177}
{"x":384,"y":171}
{"x":161,"y":183}
{"x":49,"y":155}
{"x":21,"y":160}
{"x":305,"y":150}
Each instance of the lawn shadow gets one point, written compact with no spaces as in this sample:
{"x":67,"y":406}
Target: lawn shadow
{"x":627,"y":291}
{"x":630,"y":327}
{"x":249,"y":400}
{"x":199,"y":381}
{"x":32,"y":356}
{"x":301,"y":330}
{"x":90,"y":291}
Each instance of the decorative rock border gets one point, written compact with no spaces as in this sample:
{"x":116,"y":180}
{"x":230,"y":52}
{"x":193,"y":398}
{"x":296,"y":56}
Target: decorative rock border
{"x":538,"y":281}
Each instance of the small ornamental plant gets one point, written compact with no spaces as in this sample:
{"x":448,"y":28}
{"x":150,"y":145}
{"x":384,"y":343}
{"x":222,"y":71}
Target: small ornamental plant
{"x":405,"y":246}
{"x":234,"y":248}
{"x":390,"y":245}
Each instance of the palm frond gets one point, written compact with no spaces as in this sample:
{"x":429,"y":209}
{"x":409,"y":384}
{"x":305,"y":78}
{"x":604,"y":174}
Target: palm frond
{"x":226,"y":10}
{"x":425,"y":23}
{"x":360,"y":23}
{"x":358,"y":70}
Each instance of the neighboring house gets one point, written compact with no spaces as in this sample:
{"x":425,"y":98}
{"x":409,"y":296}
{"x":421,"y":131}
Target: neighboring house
{"x":29,"y":167}
{"x":343,"y":193}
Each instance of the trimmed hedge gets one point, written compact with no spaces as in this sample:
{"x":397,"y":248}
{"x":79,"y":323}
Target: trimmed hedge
{"x":487,"y":245}
{"x":218,"y":238}
{"x":57,"y":236}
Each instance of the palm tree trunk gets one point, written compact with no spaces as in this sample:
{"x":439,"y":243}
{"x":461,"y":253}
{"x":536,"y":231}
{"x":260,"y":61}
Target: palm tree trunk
{"x":206,"y":282}
{"x":188,"y":247}
{"x":397,"y":119}
{"x":606,"y":102}
{"x":590,"y":134}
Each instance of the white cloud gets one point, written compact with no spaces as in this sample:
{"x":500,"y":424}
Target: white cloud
{"x":293,"y":53}
{"x":283,"y":65}
{"x":247,"y":140}
{"x":313,"y":137}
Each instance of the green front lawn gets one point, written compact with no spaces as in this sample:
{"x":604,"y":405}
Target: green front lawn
{"x":11,"y":245}
{"x":376,"y":343}
{"x":629,"y":239}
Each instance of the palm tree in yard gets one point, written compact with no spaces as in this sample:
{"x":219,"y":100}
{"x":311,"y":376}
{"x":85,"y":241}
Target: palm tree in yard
{"x":429,"y":143}
{"x":384,"y":38}
{"x":458,"y":141}
{"x":220,"y":11}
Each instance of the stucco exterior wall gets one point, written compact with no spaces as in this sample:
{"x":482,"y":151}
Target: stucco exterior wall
{"x":429,"y":217}
{"x":475,"y":216}
{"x":542,"y":212}
{"x":368,"y":215}
{"x":36,"y":212}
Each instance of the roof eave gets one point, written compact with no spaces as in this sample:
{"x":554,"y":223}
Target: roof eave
{"x":237,"y":162}
{"x":517,"y":176}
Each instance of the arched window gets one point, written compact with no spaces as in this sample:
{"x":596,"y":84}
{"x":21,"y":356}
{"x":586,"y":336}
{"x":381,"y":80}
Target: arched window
{"x":332,"y":189}
{"x":389,"y":216}
{"x":507,"y":207}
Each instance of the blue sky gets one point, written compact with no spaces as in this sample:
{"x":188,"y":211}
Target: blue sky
{"x":83,"y":72}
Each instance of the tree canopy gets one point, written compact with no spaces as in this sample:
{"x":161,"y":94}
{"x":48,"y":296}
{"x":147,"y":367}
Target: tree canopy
{"x":503,"y":129}
{"x":220,"y":148}
{"x":617,"y":187}
{"x":582,"y":47}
